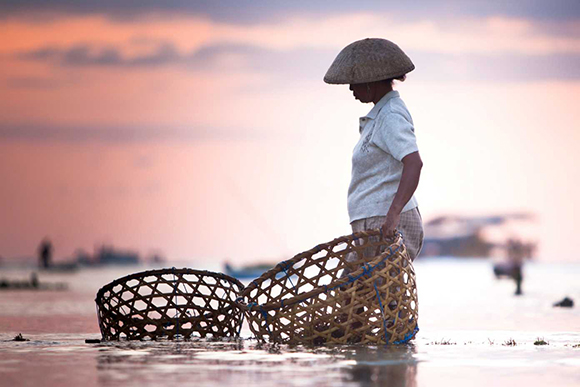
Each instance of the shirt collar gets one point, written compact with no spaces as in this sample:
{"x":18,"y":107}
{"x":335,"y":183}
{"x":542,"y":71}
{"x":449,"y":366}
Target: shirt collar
{"x":379,"y":105}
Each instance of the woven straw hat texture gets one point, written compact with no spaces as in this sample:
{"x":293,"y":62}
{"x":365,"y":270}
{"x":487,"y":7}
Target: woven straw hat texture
{"x":368,"y":60}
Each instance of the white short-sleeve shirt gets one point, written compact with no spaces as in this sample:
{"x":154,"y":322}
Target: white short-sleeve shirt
{"x":387,"y":136}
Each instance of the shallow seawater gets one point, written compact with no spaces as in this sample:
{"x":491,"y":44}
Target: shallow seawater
{"x":467,"y":318}
{"x":455,"y":358}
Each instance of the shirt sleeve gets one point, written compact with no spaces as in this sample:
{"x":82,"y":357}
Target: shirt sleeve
{"x":395,"y":135}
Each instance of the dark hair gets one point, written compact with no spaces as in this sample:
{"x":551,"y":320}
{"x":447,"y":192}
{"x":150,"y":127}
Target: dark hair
{"x":392,"y":80}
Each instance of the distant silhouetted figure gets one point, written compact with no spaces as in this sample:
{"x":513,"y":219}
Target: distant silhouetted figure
{"x":516,"y":252}
{"x":45,"y":253}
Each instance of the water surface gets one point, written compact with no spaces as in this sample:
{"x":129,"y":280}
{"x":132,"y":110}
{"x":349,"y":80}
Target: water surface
{"x":467,"y":320}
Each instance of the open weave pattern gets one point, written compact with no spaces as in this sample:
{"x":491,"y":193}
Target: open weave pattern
{"x":368,"y":60}
{"x":308,"y":300}
{"x":169,"y":302}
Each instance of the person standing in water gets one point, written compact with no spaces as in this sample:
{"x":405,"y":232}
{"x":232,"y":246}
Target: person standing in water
{"x":45,"y":253}
{"x":386,"y":165}
{"x":516,"y":254}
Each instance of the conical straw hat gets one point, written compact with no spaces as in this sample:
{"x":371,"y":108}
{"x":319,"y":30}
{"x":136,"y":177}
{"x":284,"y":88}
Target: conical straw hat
{"x":368,"y":60}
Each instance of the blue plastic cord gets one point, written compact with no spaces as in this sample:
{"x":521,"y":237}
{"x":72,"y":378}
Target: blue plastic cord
{"x":265,"y":316}
{"x":285,"y":268}
{"x":367,"y":270}
{"x":242,"y":323}
{"x":238,"y":300}
{"x":383,"y":312}
{"x":262,"y":312}
{"x":408,"y":336}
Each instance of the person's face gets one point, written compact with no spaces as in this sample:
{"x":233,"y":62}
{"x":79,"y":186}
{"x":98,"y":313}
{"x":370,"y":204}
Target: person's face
{"x":362,"y":92}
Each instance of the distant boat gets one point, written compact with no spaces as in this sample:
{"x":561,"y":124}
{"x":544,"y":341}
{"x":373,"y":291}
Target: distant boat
{"x":466,"y":236}
{"x":32,"y":284}
{"x":111,"y":256}
{"x":108,"y":256}
{"x":247,"y":272}
{"x":64,"y":267}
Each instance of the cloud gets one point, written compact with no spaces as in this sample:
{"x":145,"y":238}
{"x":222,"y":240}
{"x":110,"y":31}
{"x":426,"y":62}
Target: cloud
{"x":32,"y":83}
{"x":309,"y":64}
{"x":300,"y":63}
{"x":97,"y":40}
{"x":86,"y":55}
{"x":126,"y":134}
{"x":267,"y":10}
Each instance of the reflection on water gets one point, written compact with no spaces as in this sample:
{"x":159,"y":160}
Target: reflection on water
{"x":459,"y":302}
{"x":248,"y":362}
{"x":66,"y":360}
{"x":393,"y":366}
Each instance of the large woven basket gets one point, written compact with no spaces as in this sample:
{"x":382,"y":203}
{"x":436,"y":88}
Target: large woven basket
{"x":169,"y":303}
{"x":355,"y":289}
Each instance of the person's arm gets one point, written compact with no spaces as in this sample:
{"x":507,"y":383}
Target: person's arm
{"x":412,"y":165}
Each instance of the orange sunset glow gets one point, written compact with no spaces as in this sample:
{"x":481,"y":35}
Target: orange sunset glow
{"x":206,"y":133}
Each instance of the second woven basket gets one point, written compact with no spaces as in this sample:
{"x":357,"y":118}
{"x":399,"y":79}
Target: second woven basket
{"x":170,"y":303}
{"x":337,"y":293}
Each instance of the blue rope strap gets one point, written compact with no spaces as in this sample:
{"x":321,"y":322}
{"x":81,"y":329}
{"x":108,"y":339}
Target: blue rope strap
{"x":265,"y":316}
{"x":285,"y":267}
{"x":367,"y":271}
{"x":408,"y":336}
{"x":241,"y":323}
{"x":239,"y":300}
{"x":383,"y":313}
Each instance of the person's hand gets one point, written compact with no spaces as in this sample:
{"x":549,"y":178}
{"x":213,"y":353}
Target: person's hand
{"x":390,"y":225}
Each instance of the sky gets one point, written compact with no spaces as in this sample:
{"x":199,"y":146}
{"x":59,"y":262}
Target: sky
{"x":202,"y":131}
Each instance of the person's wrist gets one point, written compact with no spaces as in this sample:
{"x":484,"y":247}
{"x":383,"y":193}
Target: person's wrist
{"x":394,"y":210}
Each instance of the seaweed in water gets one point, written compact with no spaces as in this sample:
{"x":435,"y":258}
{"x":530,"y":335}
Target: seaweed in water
{"x":510,"y":343}
{"x":540,"y":341}
{"x":19,"y":337}
{"x":443,"y":342}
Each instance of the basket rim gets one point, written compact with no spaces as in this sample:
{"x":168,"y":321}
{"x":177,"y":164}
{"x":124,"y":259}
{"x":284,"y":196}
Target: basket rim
{"x":173,"y":270}
{"x":396,"y":240}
